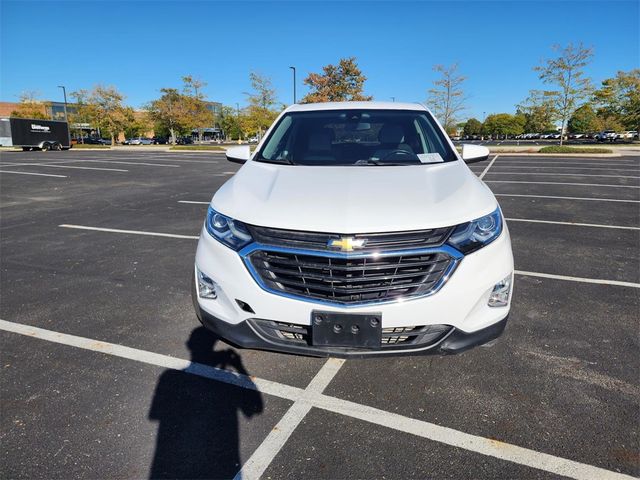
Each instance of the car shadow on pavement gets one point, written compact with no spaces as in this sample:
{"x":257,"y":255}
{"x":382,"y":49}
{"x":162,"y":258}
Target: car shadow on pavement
{"x":198,"y":417}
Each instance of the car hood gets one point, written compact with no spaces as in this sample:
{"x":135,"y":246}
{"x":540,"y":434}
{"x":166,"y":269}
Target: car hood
{"x":362,"y":199}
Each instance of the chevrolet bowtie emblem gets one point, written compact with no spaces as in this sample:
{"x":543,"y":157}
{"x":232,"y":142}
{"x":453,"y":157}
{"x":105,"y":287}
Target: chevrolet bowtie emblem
{"x":347,"y":244}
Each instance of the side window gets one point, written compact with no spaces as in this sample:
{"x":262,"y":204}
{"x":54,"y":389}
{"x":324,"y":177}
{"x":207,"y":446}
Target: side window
{"x":276,"y":149}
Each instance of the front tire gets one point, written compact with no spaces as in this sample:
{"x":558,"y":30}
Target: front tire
{"x":45,"y":147}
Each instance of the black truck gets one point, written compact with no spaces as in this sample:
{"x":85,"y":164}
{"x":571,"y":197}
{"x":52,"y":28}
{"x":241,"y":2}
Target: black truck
{"x":34,"y":134}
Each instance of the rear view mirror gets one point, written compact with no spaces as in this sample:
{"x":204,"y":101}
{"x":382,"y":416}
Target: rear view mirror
{"x":474,"y":153}
{"x":239,"y":154}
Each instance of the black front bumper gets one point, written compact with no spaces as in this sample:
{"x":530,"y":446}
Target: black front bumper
{"x":246,"y":336}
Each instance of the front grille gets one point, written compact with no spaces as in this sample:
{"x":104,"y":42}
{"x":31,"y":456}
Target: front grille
{"x":375,"y":241}
{"x":350,"y":279}
{"x":392,"y":337}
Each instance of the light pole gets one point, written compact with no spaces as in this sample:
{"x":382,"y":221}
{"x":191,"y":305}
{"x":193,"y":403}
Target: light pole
{"x":294,"y":83}
{"x":64,"y":92}
{"x":66,"y":117}
{"x":238,"y":122}
{"x":393,"y":99}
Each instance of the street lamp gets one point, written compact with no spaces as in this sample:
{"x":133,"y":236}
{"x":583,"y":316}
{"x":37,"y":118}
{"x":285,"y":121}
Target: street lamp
{"x":238,"y":123}
{"x":66,"y":116}
{"x":294,"y":83}
{"x":64,"y":91}
{"x":393,"y":99}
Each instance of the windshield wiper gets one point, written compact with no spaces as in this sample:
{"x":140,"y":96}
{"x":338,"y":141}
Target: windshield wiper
{"x":378,"y":163}
{"x":280,"y":161}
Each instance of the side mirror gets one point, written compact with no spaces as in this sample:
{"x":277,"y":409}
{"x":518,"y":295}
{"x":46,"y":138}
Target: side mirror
{"x":474,"y":153}
{"x":239,"y":154}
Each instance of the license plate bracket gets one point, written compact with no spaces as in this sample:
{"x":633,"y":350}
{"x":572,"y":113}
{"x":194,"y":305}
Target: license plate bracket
{"x":336,"y":329}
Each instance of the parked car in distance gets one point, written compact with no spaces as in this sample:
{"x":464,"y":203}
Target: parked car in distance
{"x":184,"y":141}
{"x":159,"y":140}
{"x":607,"y":136}
{"x":627,"y":135}
{"x":576,"y":136}
{"x":139,"y":141}
{"x":320,"y":262}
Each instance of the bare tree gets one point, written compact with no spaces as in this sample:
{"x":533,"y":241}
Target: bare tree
{"x":566,"y":71}
{"x":447,"y":99}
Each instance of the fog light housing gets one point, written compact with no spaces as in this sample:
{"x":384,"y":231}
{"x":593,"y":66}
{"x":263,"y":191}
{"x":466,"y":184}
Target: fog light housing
{"x":500,"y":294}
{"x":207,"y":288}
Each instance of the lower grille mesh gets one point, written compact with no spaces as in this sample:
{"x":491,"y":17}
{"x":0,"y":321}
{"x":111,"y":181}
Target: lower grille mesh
{"x":393,"y":337}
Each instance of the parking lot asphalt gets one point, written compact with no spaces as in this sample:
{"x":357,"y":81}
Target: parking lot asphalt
{"x":107,"y":374}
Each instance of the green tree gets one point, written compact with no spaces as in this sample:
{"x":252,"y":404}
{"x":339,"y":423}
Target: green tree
{"x":200,"y":116}
{"x":539,"y":111}
{"x":263,"y":105}
{"x":503,"y":124}
{"x":605,"y":120}
{"x":107,"y":106}
{"x":472,"y":127}
{"x":620,"y":96}
{"x":566,"y":71}
{"x":139,"y":123}
{"x":103,"y":109}
{"x":447,"y":99}
{"x":583,"y":120}
{"x":170,"y":112}
{"x":83,"y":114}
{"x":338,"y":83}
{"x":30,"y":107}
{"x":230,"y":122}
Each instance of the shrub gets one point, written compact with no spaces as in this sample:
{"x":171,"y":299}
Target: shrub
{"x":565,"y":149}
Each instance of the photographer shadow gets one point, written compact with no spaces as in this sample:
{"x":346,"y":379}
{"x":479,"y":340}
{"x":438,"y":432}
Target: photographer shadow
{"x":198,"y":417}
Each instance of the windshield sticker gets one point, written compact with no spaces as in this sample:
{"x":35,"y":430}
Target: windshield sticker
{"x":430,"y":158}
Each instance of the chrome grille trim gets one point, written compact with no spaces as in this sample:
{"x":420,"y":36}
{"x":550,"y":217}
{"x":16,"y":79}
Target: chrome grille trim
{"x":375,"y":241}
{"x":444,"y":252}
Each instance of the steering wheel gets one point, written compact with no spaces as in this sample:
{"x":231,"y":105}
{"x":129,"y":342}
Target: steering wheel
{"x":397,"y":151}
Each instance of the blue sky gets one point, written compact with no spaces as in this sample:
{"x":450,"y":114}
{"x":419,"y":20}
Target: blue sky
{"x":143,"y":46}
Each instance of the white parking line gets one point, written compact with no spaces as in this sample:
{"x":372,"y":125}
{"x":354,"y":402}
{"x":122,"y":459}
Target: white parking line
{"x":571,"y":223}
{"x":484,"y":172}
{"x":562,"y":183}
{"x":566,"y":198}
{"x":127,"y":163}
{"x":555,"y":174}
{"x":312,"y":397}
{"x":52,"y":165}
{"x":538,"y":167}
{"x":193,"y":201}
{"x":578,"y":279}
{"x":131,"y":232}
{"x":262,"y":457}
{"x":537,"y":163}
{"x":32,"y":173}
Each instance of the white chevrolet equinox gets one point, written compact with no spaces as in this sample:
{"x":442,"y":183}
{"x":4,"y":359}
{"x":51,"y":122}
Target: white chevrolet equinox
{"x":354,"y":229}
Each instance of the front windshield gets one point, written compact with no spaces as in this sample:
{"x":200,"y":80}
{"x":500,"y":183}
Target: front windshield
{"x":356,"y":137}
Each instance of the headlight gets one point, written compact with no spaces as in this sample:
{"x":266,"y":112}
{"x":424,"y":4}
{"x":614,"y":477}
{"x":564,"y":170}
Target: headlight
{"x":232,"y":233}
{"x":477,"y":233}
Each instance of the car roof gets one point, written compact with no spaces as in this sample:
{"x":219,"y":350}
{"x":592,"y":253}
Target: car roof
{"x":309,"y":107}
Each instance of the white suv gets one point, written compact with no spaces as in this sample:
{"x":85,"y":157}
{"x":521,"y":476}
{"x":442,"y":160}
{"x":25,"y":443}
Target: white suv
{"x":355,"y":229}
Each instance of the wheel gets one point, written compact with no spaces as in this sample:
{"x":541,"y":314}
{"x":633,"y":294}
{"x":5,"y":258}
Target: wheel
{"x":45,"y":147}
{"x":57,"y":147}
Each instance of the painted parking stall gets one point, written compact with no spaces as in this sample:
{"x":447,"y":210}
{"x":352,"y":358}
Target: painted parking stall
{"x":98,"y":331}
